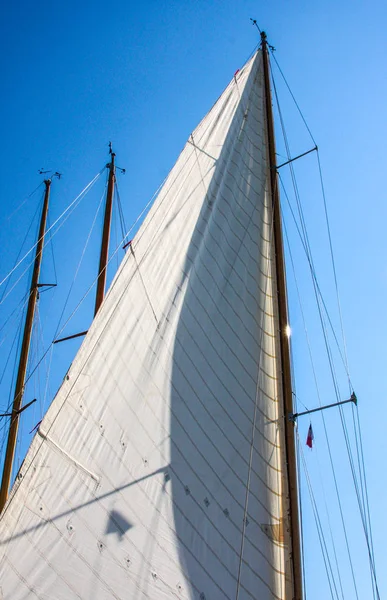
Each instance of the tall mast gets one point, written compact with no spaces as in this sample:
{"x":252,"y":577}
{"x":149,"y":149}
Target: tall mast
{"x":20,"y":381}
{"x":295,"y":547}
{"x":101,"y":283}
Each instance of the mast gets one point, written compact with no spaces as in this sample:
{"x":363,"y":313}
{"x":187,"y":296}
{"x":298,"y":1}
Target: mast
{"x":101,"y":282}
{"x":295,"y":546}
{"x":20,"y":381}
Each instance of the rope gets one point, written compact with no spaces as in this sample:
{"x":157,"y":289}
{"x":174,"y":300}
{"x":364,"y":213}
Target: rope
{"x":310,"y":260}
{"x":23,"y":202}
{"x":80,"y":261}
{"x":320,"y":530}
{"x":79,"y":197}
{"x":315,"y":379}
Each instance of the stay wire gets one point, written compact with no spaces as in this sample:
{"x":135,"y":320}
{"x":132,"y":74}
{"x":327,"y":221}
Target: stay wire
{"x":51,"y":244}
{"x":23,"y":202}
{"x":120,"y":210}
{"x":310,"y":260}
{"x":315,"y":379}
{"x":373,"y":573}
{"x":293,"y":97}
{"x":361,"y":465}
{"x":327,"y":438}
{"x":326,"y":217}
{"x":313,"y":272}
{"x":80,"y":261}
{"x":17,"y":311}
{"x":73,"y":207}
{"x":320,"y":530}
{"x":20,"y":251}
{"x":79,"y":197}
{"x":93,"y":283}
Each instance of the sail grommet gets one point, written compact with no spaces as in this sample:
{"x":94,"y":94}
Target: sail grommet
{"x":206,"y":502}
{"x":127,"y":561}
{"x":154,"y":575}
{"x":226,"y":512}
{"x":100,"y":546}
{"x":187,"y":490}
{"x":70,"y":527}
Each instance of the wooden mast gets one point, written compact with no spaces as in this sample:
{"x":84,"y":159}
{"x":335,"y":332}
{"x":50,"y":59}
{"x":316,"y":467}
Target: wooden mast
{"x":101,"y":282}
{"x":20,"y":381}
{"x":295,"y":546}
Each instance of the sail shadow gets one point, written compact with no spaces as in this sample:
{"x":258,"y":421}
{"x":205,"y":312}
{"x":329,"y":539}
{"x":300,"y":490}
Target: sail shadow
{"x":121,"y":525}
{"x":215,"y":377}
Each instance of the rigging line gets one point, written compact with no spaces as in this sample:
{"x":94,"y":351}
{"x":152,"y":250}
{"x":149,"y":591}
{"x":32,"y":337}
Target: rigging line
{"x":334,"y":269}
{"x":348,"y":446}
{"x":359,"y":463}
{"x":329,"y":524}
{"x":93,"y":283}
{"x":74,"y":207}
{"x":298,"y":471}
{"x":181,"y":167}
{"x":52,"y":247}
{"x":293,"y":97}
{"x":143,"y":284}
{"x":349,"y":452}
{"x":302,"y":312}
{"x":314,"y":376}
{"x":320,"y":530}
{"x":21,"y":249}
{"x":361,"y":508}
{"x":10,"y":321}
{"x":251,"y":454}
{"x":325,"y":429}
{"x":310,"y":260}
{"x":81,"y":259}
{"x":313,"y":273}
{"x":79,"y":197}
{"x":23,"y":202}
{"x":46,"y":388}
{"x":9,"y":356}
{"x":19,"y":334}
{"x":366,"y":487}
{"x":120,"y":209}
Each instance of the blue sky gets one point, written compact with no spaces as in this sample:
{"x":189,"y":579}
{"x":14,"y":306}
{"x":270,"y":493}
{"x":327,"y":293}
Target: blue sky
{"x":77,"y":75}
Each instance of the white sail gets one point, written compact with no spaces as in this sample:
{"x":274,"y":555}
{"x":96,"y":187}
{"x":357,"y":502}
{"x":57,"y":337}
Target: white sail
{"x":158,"y":471}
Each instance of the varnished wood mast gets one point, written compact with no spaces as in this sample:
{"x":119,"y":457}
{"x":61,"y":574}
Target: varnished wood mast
{"x":20,"y":381}
{"x":101,"y":282}
{"x":295,"y":548}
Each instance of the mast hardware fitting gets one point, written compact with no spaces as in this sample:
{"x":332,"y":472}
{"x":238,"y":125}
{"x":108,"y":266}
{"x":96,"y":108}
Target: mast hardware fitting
{"x":293,"y":416}
{"x":296,"y":158}
{"x":17,"y":412}
{"x":70,"y":337}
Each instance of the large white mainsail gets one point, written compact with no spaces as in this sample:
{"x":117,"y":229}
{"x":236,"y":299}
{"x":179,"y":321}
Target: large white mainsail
{"x":158,"y":470}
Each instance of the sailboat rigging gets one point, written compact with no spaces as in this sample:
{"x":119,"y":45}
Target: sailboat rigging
{"x":18,"y":397}
{"x":166,"y":464}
